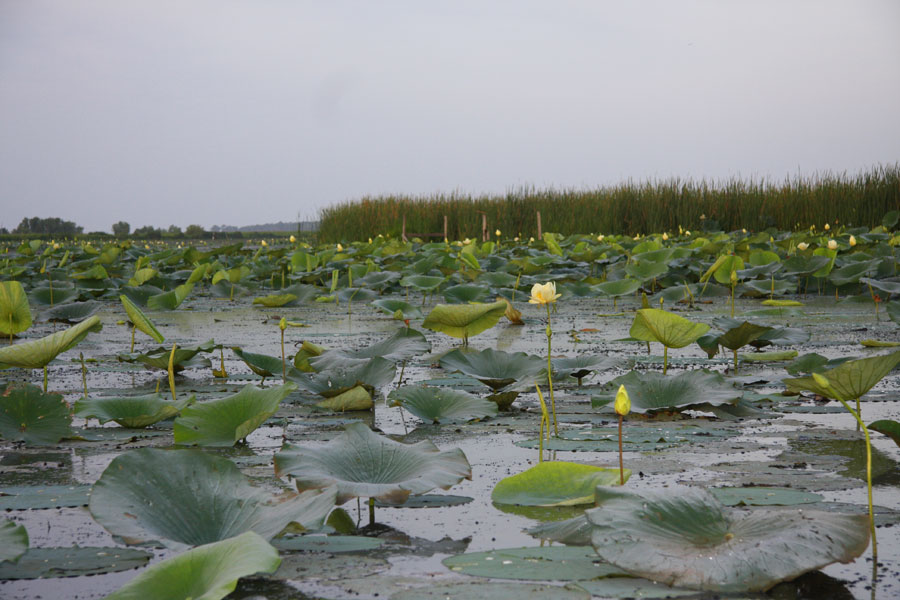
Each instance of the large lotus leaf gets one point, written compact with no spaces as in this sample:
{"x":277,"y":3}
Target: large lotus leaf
{"x":669,"y":329}
{"x":423,"y":283}
{"x":140,"y":295}
{"x":464,"y":320}
{"x":781,"y":336}
{"x":373,"y":374}
{"x":170,"y":300}
{"x":13,"y":541}
{"x":465,"y":293}
{"x":29,"y":415}
{"x":621,"y":287}
{"x":130,"y":411}
{"x":555,"y":483}
{"x":888,"y":287}
{"x":188,"y":498}
{"x":556,"y":563}
{"x":404,"y":344}
{"x":689,"y":539}
{"x":378,"y":280}
{"x":263,"y":364}
{"x":435,"y":405}
{"x":49,"y":296}
{"x":853,"y":272}
{"x":275,"y":300}
{"x":15,"y":316}
{"x":497,"y":279}
{"x":140,"y":320}
{"x":71,"y":312}
{"x":850,"y":380}
{"x":74,"y":561}
{"x":364,"y":464}
{"x":651,"y":392}
{"x":391,"y":306}
{"x":804,"y":266}
{"x":575,"y":531}
{"x":158,"y":358}
{"x":743,"y":334}
{"x":226,"y":421}
{"x":887,"y":427}
{"x":647,"y":270}
{"x":730,"y":264}
{"x":36,"y":354}
{"x":96,"y":272}
{"x":582,"y":365}
{"x":494,"y":368}
{"x":814,"y":363}
{"x":209,"y":572}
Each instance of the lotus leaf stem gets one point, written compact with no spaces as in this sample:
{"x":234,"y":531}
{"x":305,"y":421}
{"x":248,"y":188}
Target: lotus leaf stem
{"x":621,"y":462}
{"x":665,"y":358}
{"x":371,"y":511}
{"x":133,"y":327}
{"x":45,"y":379}
{"x":859,"y":423}
{"x":83,"y":374}
{"x":550,"y":372}
{"x":172,"y":371}
{"x":545,"y":418}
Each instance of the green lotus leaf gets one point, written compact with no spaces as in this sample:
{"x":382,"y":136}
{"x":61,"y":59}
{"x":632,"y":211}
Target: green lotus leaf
{"x":333,"y":544}
{"x":392,"y":305}
{"x":763,"y":496}
{"x":765,"y":287}
{"x":372,"y":374}
{"x":356,"y":398}
{"x":759,"y":258}
{"x":497,"y":279}
{"x":304,"y":261}
{"x":581,"y":366}
{"x":275,"y":300}
{"x":423,"y":283}
{"x":158,"y":358}
{"x":307,"y":351}
{"x":130,"y":411}
{"x":621,"y":287}
{"x":170,"y":300}
{"x":15,"y":315}
{"x":36,"y":354}
{"x":556,"y":563}
{"x":476,"y":590}
{"x":356,"y":294}
{"x":436,"y":405}
{"x":804,"y":266}
{"x":364,"y":464}
{"x":774,"y":356}
{"x":208,"y":572}
{"x":689,"y":539}
{"x":142,"y":276}
{"x":226,"y":421}
{"x":741,"y":335}
{"x":494,"y":368}
{"x":13,"y":541}
{"x":669,"y":329}
{"x":647,"y":270}
{"x":140,"y":320}
{"x":140,"y":295}
{"x":730,"y":264}
{"x":304,"y":293}
{"x":29,"y":415}
{"x":406,"y":343}
{"x":814,"y":363}
{"x":887,"y":427}
{"x":263,"y":364}
{"x":49,"y":296}
{"x":652,"y":392}
{"x":852,"y":273}
{"x":466,"y":293}
{"x":575,"y":531}
{"x":850,"y":380}
{"x":555,"y":483}
{"x":187,"y":498}
{"x":232,"y":275}
{"x":96,"y":272}
{"x":75,"y":561}
{"x":71,"y":312}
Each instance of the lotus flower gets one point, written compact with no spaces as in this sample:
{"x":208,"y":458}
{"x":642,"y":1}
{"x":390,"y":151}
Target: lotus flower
{"x":543,"y":293}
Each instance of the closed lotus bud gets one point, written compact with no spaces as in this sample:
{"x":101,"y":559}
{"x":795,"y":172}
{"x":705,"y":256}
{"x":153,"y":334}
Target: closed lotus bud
{"x":821,"y":380}
{"x":623,"y":402}
{"x":665,"y":236}
{"x":827,"y":227}
{"x":497,"y":233}
{"x":263,"y":243}
{"x":802,"y":246}
{"x":282,"y":324}
{"x":852,"y":241}
{"x":293,"y":239}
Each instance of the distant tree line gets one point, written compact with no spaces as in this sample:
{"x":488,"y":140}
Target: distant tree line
{"x":51,"y":225}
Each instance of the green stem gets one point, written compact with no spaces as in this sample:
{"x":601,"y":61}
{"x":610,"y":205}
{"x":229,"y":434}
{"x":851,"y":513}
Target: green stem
{"x":550,"y":373}
{"x":45,"y":379}
{"x":283,"y":363}
{"x":735,"y":362}
{"x":133,"y":327}
{"x":371,"y":511}
{"x":859,"y":423}
{"x":621,"y":462}
{"x":665,"y":359}
{"x":83,"y":374}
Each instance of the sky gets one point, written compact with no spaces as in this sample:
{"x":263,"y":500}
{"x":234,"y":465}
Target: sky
{"x":210,"y":112}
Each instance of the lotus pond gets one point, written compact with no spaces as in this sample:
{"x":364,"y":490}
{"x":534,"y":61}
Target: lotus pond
{"x":366,"y":422}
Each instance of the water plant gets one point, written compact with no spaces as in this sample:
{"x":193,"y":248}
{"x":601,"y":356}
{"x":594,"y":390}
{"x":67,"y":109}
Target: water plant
{"x":15,"y":315}
{"x":463,"y":321}
{"x":546,"y":295}
{"x":669,"y":329}
{"x":622,"y":407}
{"x":139,"y":321}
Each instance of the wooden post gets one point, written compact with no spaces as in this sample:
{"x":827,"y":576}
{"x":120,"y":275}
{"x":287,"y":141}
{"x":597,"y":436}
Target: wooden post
{"x":540,"y":234}
{"x":484,"y":231}
{"x":403,"y":230}
{"x":445,"y":229}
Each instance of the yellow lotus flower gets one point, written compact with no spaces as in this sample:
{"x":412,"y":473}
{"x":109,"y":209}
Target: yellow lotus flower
{"x":600,"y":237}
{"x":832,"y":245}
{"x":497,"y":233}
{"x":530,"y":240}
{"x":852,"y":240}
{"x":827,"y":227}
{"x":665,"y":236}
{"x":802,"y":246}
{"x":293,"y":239}
{"x":543,"y":294}
{"x":623,"y":402}
{"x":263,"y":243}
{"x":340,"y":248}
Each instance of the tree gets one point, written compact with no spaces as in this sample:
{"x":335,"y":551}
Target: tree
{"x":121,"y":229}
{"x":194,"y":231}
{"x":148,"y":233}
{"x":52,"y":225}
{"x":175,"y":231}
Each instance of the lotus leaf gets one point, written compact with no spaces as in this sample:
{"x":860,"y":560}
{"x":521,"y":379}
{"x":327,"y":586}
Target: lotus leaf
{"x":621,"y":287}
{"x":434,"y":405}
{"x":632,"y":587}
{"x":356,"y":294}
{"x":327,"y":543}
{"x":555,"y":483}
{"x":404,"y":344}
{"x":653,"y":392}
{"x":494,"y":368}
{"x":557,"y":563}
{"x":669,"y":329}
{"x":275,"y":300}
{"x":29,"y":415}
{"x":71,"y":312}
{"x":423,"y":283}
{"x":130,"y":411}
{"x":356,"y":398}
{"x":13,"y":541}
{"x":494,"y":590}
{"x":36,"y":354}
{"x":398,"y":308}
{"x":185,"y":356}
{"x":96,"y":272}
{"x":15,"y":316}
{"x":140,"y":320}
{"x":170,"y":300}
{"x":850,"y":380}
{"x":208,"y":572}
{"x":46,"y":563}
{"x":49,"y":296}
{"x":689,"y":539}
{"x":262,"y":364}
{"x":465,"y":293}
{"x":364,"y":464}
{"x":763,"y":496}
{"x":27,"y":497}
{"x":140,"y":295}
{"x":464,"y":320}
{"x":647,"y":270}
{"x":373,"y":374}
{"x":226,"y":421}
{"x":575,"y":531}
{"x":581,"y":366}
{"x":852,"y":273}
{"x":307,"y":351}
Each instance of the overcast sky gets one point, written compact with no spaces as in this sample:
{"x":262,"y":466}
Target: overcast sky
{"x":240,"y":112}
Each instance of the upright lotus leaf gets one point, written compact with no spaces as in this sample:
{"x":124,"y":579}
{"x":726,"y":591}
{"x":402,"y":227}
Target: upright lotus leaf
{"x":404,"y":344}
{"x":15,"y":316}
{"x":364,"y":464}
{"x":306,"y":352}
{"x":372,"y":374}
{"x":814,"y":363}
{"x":781,"y":336}
{"x":13,"y":541}
{"x":887,"y":427}
{"x":140,"y":320}
{"x":852,"y":273}
{"x":687,"y":538}
{"x":170,"y":300}
{"x":669,"y":329}
{"x":731,"y":264}
{"x":29,"y":415}
{"x":647,"y":270}
{"x":464,"y":320}
{"x":226,"y":421}
{"x":653,"y":392}
{"x":555,"y":483}
{"x":494,"y":368}
{"x":850,"y":380}
{"x":208,"y":572}
{"x":423,"y":283}
{"x":187,"y":498}
{"x":465,"y":293}
{"x":131,"y":411}
{"x":620,"y":287}
{"x":391,"y":306}
{"x":741,"y":335}
{"x":185,"y":356}
{"x":57,"y":294}
{"x":36,"y":354}
{"x":438,"y":405}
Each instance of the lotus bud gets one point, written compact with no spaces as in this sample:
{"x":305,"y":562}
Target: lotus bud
{"x":827,"y":227}
{"x":743,"y":230}
{"x":852,"y":241}
{"x":802,"y":246}
{"x":497,"y":233}
{"x":263,"y":243}
{"x":687,"y":233}
{"x":516,"y":239}
{"x":600,"y":237}
{"x":665,"y":236}
{"x":530,"y":240}
{"x":340,"y":248}
{"x":832,"y":245}
{"x":623,"y":402}
{"x":292,"y":239}
{"x":680,"y":230}
{"x":821,"y":380}
{"x":56,"y":246}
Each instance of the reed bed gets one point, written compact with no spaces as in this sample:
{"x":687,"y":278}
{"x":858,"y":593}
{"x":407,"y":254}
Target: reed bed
{"x":630,"y":207}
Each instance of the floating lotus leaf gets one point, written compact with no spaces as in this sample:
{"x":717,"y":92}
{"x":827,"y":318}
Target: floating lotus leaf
{"x":140,"y":320}
{"x":356,"y":398}
{"x":763,"y":496}
{"x":275,"y":300}
{"x":209,"y":572}
{"x":13,"y":541}
{"x":494,"y":368}
{"x":435,"y":405}
{"x":814,"y":363}
{"x":356,"y":294}
{"x":185,"y":356}
{"x":71,"y":312}
{"x":29,"y":415}
{"x":465,"y":293}
{"x":378,"y":280}
{"x":647,"y":270}
{"x":740,"y":336}
{"x":850,"y":380}
{"x":26,"y":497}
{"x":557,"y":563}
{"x":15,"y":315}
{"x":776,"y":356}
{"x":35,"y":354}
{"x":571,"y":532}
{"x":364,"y":464}
{"x":887,"y":427}
{"x":226,"y":421}
{"x":621,"y":287}
{"x":689,"y":539}
{"x":170,"y":300}
{"x":852,"y":273}
{"x":494,"y":590}
{"x":653,"y":392}
{"x":404,"y":344}
{"x":262,"y":364}
{"x":555,"y":483}
{"x":188,"y":498}
{"x":391,"y":306}
{"x":464,"y":320}
{"x":581,"y":366}
{"x":130,"y":411}
{"x":669,"y":329}
{"x":631,"y":587}
{"x":497,"y":279}
{"x":48,"y":296}
{"x":47,"y":563}
{"x":334,"y":544}
{"x":373,"y":374}
{"x":423,"y":283}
